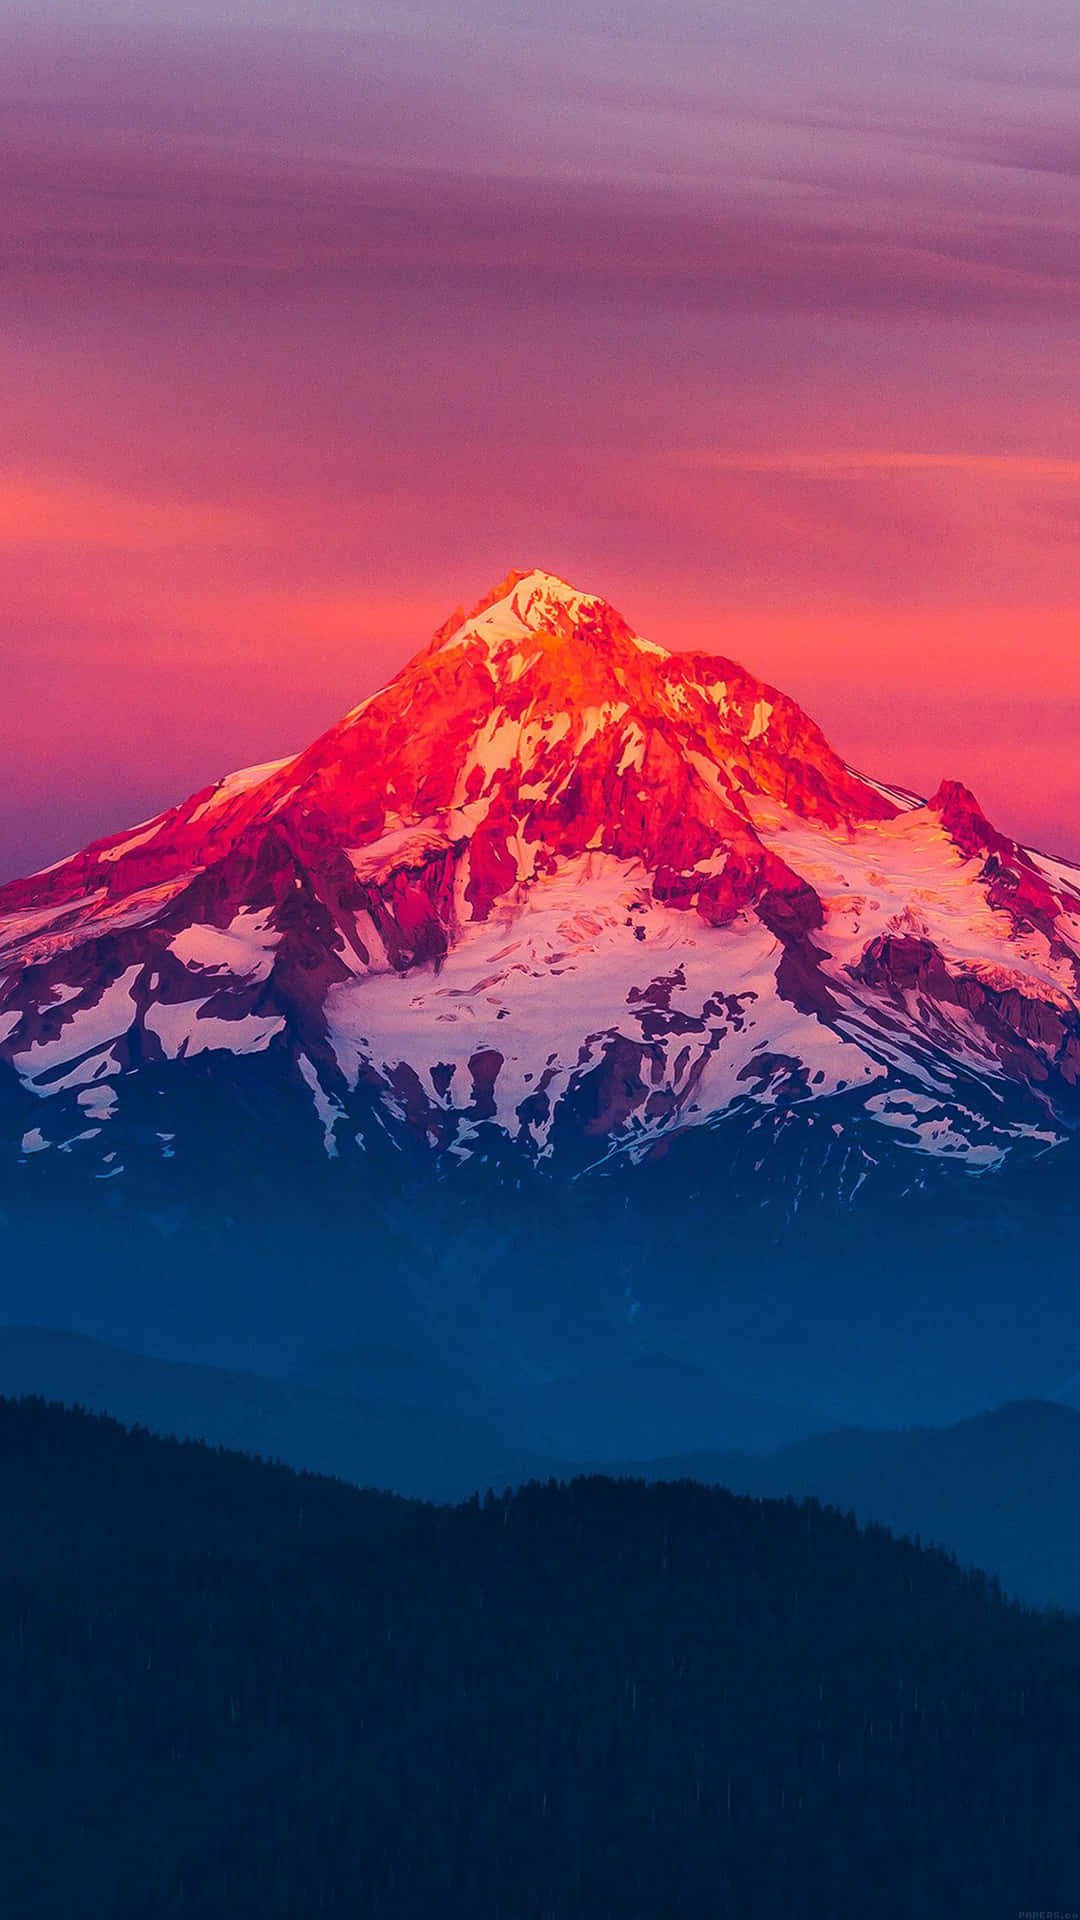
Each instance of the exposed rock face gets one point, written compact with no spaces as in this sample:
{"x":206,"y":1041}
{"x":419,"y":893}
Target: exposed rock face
{"x":1014,"y":882}
{"x":556,"y":892}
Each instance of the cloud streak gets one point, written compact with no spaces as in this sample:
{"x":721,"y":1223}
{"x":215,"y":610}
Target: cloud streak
{"x":171,"y":220}
{"x":47,"y":513}
{"x":981,"y":466}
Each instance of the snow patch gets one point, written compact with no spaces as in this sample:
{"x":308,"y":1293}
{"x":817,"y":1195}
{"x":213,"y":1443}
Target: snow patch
{"x":89,"y":1029}
{"x":97,"y":1101}
{"x":134,"y":840}
{"x":886,"y":876}
{"x":235,"y":784}
{"x":533,"y":604}
{"x":183,"y":1029}
{"x":59,"y":996}
{"x":595,"y":719}
{"x":1063,"y":876}
{"x":329,"y":1110}
{"x":633,"y":753}
{"x":245,"y":948}
{"x":96,"y":1066}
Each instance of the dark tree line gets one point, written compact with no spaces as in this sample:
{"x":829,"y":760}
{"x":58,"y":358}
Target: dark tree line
{"x":230,"y":1690}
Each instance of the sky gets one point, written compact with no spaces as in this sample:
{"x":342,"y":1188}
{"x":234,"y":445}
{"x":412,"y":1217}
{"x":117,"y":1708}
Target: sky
{"x":759,"y":319}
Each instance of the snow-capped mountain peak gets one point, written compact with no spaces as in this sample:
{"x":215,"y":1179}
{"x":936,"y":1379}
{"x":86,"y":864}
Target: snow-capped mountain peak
{"x":562,"y":888}
{"x":526,"y":602}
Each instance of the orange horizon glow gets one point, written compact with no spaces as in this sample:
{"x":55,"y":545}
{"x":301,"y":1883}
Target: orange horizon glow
{"x":310,"y":334}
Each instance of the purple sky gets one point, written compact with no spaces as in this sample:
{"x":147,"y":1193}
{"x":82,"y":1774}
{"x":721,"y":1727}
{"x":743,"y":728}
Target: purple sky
{"x":315,"y":322}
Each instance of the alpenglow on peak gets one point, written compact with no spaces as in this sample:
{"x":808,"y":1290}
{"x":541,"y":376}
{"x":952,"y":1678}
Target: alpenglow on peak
{"x":554,"y":869}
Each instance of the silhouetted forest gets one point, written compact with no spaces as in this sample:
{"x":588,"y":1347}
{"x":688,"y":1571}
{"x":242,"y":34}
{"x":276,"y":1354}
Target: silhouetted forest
{"x":228,"y":1689}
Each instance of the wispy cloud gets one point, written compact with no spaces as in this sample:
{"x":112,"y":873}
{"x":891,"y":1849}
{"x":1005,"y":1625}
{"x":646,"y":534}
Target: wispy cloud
{"x":62,"y":513}
{"x":986,"y":466}
{"x":159,"y":217}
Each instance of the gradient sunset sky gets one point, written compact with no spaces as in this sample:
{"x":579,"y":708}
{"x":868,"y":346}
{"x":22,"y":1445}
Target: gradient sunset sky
{"x":759,"y":319}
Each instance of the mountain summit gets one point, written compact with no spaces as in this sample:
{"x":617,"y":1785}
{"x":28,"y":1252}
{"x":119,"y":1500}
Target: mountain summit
{"x":554,"y":892}
{"x":533,"y":730}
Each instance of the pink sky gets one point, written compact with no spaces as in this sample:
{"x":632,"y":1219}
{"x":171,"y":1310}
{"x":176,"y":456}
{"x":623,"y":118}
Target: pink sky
{"x":315,"y":325}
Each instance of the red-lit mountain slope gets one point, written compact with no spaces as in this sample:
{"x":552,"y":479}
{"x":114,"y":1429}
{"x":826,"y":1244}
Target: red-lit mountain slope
{"x":560,"y":883}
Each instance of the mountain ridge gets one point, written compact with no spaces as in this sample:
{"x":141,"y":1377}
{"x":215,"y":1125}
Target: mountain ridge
{"x":473,"y":671}
{"x":999,"y":1489}
{"x":595,"y":1697}
{"x":730,"y":920}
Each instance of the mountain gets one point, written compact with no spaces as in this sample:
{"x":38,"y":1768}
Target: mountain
{"x":1001,"y":1491}
{"x":431,"y":1450}
{"x":732,"y":918}
{"x":558,"y":926}
{"x":230,"y":1690}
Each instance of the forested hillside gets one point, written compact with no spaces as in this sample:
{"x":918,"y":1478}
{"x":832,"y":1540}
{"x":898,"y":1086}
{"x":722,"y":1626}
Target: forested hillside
{"x":230,"y":1690}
